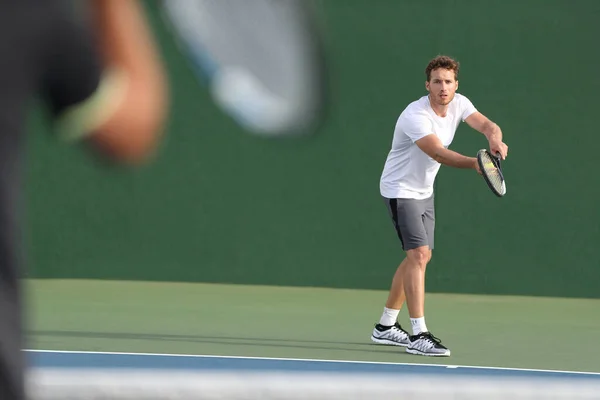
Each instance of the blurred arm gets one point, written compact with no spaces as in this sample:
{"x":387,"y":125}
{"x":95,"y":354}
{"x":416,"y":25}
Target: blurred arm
{"x":132,"y":97}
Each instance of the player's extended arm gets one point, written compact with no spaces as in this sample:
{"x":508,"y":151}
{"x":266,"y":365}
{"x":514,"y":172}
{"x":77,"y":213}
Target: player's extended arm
{"x":138,"y":111}
{"x":432,"y":146}
{"x":491,"y":130}
{"x":482,"y":124}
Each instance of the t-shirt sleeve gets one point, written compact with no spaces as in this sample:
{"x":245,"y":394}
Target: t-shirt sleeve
{"x":79,"y":92}
{"x":467,"y":108}
{"x":416,"y":126}
{"x":72,"y":69}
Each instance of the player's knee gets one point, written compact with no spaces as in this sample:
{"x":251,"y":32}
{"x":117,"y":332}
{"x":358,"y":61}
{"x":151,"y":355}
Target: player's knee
{"x":420,"y":255}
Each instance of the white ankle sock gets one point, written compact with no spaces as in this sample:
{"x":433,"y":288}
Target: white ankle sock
{"x":389,"y":316}
{"x":418,"y":325}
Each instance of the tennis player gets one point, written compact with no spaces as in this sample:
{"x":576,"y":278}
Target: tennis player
{"x":103,"y":85}
{"x":422,"y":135}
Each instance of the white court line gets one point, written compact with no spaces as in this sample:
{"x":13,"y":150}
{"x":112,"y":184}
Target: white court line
{"x":309,"y":360}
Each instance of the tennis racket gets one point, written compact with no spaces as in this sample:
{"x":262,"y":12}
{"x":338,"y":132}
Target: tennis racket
{"x":262,"y":60}
{"x":491,"y":171}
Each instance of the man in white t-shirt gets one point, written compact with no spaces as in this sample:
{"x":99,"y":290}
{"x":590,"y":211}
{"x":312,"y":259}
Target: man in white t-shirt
{"x":422,"y":135}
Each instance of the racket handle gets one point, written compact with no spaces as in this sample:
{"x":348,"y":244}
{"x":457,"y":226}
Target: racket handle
{"x":498,"y":157}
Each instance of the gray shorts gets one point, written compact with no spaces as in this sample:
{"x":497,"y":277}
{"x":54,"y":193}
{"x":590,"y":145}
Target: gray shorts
{"x":414,"y":221}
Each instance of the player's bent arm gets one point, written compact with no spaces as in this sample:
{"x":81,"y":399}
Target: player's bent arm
{"x":484,"y":125}
{"x":432,"y":146}
{"x":124,"y":119}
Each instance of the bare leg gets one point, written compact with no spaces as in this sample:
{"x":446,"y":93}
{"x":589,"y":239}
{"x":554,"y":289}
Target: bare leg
{"x":413,"y":280}
{"x":422,"y":342}
{"x":396,"y":296}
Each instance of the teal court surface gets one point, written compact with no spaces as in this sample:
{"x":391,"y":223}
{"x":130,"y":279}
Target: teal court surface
{"x":90,"y":339}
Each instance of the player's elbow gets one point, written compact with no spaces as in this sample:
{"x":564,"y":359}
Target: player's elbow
{"x":431,"y":146}
{"x":437,"y":153}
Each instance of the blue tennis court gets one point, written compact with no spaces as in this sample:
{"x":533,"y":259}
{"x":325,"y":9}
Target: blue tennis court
{"x":78,"y":360}
{"x":169,"y":376}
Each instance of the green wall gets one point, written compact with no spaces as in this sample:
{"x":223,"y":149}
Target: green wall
{"x":221,"y":205}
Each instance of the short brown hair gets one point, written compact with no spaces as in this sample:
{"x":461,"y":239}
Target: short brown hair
{"x":442,"y":62}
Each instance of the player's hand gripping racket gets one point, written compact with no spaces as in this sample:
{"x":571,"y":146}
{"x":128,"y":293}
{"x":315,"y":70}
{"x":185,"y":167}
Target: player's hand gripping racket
{"x":491,"y":171}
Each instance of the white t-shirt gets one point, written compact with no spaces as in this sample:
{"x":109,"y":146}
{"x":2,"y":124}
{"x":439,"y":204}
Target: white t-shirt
{"x":408,"y":172}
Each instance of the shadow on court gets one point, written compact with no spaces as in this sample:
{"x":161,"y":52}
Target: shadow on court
{"x":236,"y":341}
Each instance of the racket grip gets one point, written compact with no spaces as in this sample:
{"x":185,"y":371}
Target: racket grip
{"x":499,"y":158}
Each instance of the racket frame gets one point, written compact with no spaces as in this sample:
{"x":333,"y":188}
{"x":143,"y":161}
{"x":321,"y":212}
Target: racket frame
{"x":496,"y":159}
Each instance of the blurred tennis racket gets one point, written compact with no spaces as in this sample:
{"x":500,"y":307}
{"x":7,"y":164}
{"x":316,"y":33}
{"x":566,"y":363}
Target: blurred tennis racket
{"x":262,"y":60}
{"x":491,"y":171}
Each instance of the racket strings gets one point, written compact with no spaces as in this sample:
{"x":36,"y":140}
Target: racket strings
{"x":490,"y":170}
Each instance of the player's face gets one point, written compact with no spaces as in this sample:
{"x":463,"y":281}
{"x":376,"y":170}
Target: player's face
{"x":442,"y":86}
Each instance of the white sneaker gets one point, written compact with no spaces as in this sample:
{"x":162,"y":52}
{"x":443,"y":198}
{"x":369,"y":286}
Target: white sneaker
{"x":425,"y":344}
{"x":392,"y":335}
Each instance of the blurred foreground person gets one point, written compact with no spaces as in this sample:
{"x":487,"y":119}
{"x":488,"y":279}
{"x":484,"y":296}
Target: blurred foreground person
{"x":102,"y":84}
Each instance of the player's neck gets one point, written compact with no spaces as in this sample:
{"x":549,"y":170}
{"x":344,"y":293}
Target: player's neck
{"x":439,"y":110}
